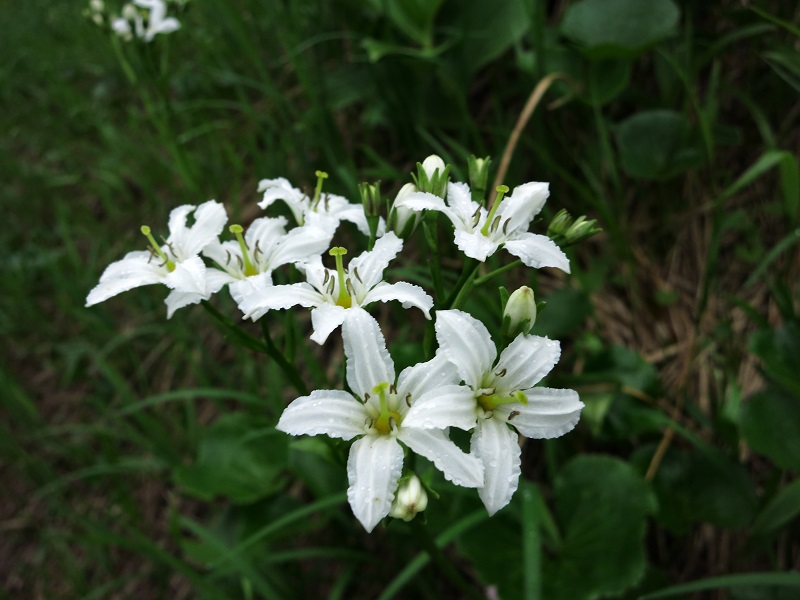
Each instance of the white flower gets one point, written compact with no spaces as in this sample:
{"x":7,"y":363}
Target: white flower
{"x":301,"y":204}
{"x":402,"y":219}
{"x":122,"y":28}
{"x":479,"y":233}
{"x":333,"y":292}
{"x":433,"y":166}
{"x":176,"y":263}
{"x":157,"y":20}
{"x":416,"y":411}
{"x":519,"y":314}
{"x":247,"y":263}
{"x":503,"y":394}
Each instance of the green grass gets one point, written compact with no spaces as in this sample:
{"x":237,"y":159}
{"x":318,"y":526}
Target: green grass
{"x":101,"y":406}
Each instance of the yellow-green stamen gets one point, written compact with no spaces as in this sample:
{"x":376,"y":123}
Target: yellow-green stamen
{"x":384,"y":421}
{"x":501,"y":191}
{"x":249,"y":269}
{"x":344,"y":300}
{"x":155,"y":248}
{"x":321,"y":176}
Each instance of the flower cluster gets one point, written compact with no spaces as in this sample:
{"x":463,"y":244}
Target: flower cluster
{"x":468,"y":382}
{"x":140,"y":19}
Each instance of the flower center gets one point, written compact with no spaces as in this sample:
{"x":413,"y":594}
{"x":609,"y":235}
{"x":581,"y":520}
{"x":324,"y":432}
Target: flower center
{"x":248,"y":268}
{"x":156,"y":249}
{"x":388,"y":419}
{"x":501,"y":191}
{"x":490,"y":399}
{"x":343,"y":299}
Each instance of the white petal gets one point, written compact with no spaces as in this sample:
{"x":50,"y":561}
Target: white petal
{"x":300,"y":244}
{"x":168,"y":25}
{"x":550,"y":413}
{"x":526,"y":361}
{"x":244,"y":291}
{"x":353,"y":213}
{"x":497,"y":447}
{"x":331,"y":412}
{"x":279,"y":297}
{"x":135,"y":269}
{"x":443,"y":407}
{"x":538,"y":251}
{"x":217,"y":279}
{"x":281,"y":189}
{"x":209,"y":221}
{"x":324,"y":319}
{"x":423,"y":377}
{"x":466,"y":343}
{"x":425,"y":201}
{"x":459,"y":199}
{"x":177,"y":299}
{"x":373,"y":468}
{"x":225,"y":255}
{"x":475,"y":244}
{"x":524,"y":203}
{"x":265,"y":232}
{"x":407,"y":293}
{"x":457,"y":466}
{"x":189,"y":276}
{"x":368,"y":360}
{"x":372,"y":264}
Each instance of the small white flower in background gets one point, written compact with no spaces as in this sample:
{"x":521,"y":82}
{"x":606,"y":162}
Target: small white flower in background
{"x":246,"y":264}
{"x":333,"y":292}
{"x":416,"y":411}
{"x":144,"y":27}
{"x":519,"y":314}
{"x":331,"y":205}
{"x":479,"y":233}
{"x":503,"y":395}
{"x":176,"y":263}
{"x":96,"y":11}
{"x":411,"y":499}
{"x":403,"y":220}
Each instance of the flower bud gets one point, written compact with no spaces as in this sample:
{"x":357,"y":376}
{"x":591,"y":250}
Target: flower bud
{"x":402,"y":220}
{"x":478,"y":177}
{"x":410,"y":499}
{"x":431,"y":165}
{"x":519,"y":314}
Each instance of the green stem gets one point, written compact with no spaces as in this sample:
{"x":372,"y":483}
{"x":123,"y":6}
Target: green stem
{"x":244,"y":338}
{"x":484,"y":278}
{"x":287,"y":367}
{"x":445,"y":565}
{"x":470,"y":268}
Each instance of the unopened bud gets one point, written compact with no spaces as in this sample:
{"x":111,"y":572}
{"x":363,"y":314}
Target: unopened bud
{"x":433,"y":166}
{"x":411,"y":498}
{"x":402,"y":220}
{"x":559,"y":224}
{"x":432,"y":175}
{"x":371,"y":198}
{"x":519,"y":314}
{"x":478,"y":177}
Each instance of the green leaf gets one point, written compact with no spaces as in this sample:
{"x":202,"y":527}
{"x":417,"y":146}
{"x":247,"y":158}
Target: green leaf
{"x":489,"y":29}
{"x":656,"y":144}
{"x":770,"y":423}
{"x":779,"y":350}
{"x":240,"y":458}
{"x":702,"y":485}
{"x":789,"y":579}
{"x":600,"y":504}
{"x":784,"y":507}
{"x":415,"y":18}
{"x":566,"y":310}
{"x":619,"y":28}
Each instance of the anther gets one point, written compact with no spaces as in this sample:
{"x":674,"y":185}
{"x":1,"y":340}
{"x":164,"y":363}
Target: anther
{"x":512,"y":414}
{"x":505,"y":226}
{"x":228,"y":259}
{"x":156,"y":249}
{"x":355,"y":271}
{"x":408,"y":400}
{"x":502,"y":372}
{"x":488,"y":392}
{"x":392,"y":389}
{"x":495,"y":224}
{"x":476,"y":217}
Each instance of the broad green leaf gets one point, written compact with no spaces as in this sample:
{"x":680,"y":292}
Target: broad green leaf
{"x":779,"y":351}
{"x":784,"y":507}
{"x":656,"y":144}
{"x":565,"y":311}
{"x":415,"y":18}
{"x":701,"y":485}
{"x":619,"y":28}
{"x":770,"y":423}
{"x":503,"y":567}
{"x":240,"y":458}
{"x":600,"y":504}
{"x":490,"y":28}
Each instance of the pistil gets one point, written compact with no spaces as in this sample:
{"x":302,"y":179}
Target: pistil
{"x":387,"y":419}
{"x":249,"y":269}
{"x":156,"y":249}
{"x":501,"y":191}
{"x":344,"y":300}
{"x":321,"y":176}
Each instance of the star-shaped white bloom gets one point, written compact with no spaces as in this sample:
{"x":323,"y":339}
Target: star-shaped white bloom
{"x":331,"y":205}
{"x":176,"y":263}
{"x":416,"y":411}
{"x":246,"y":264}
{"x":157,"y":20}
{"x":504,"y":394}
{"x":333,"y":292}
{"x":479,"y":233}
